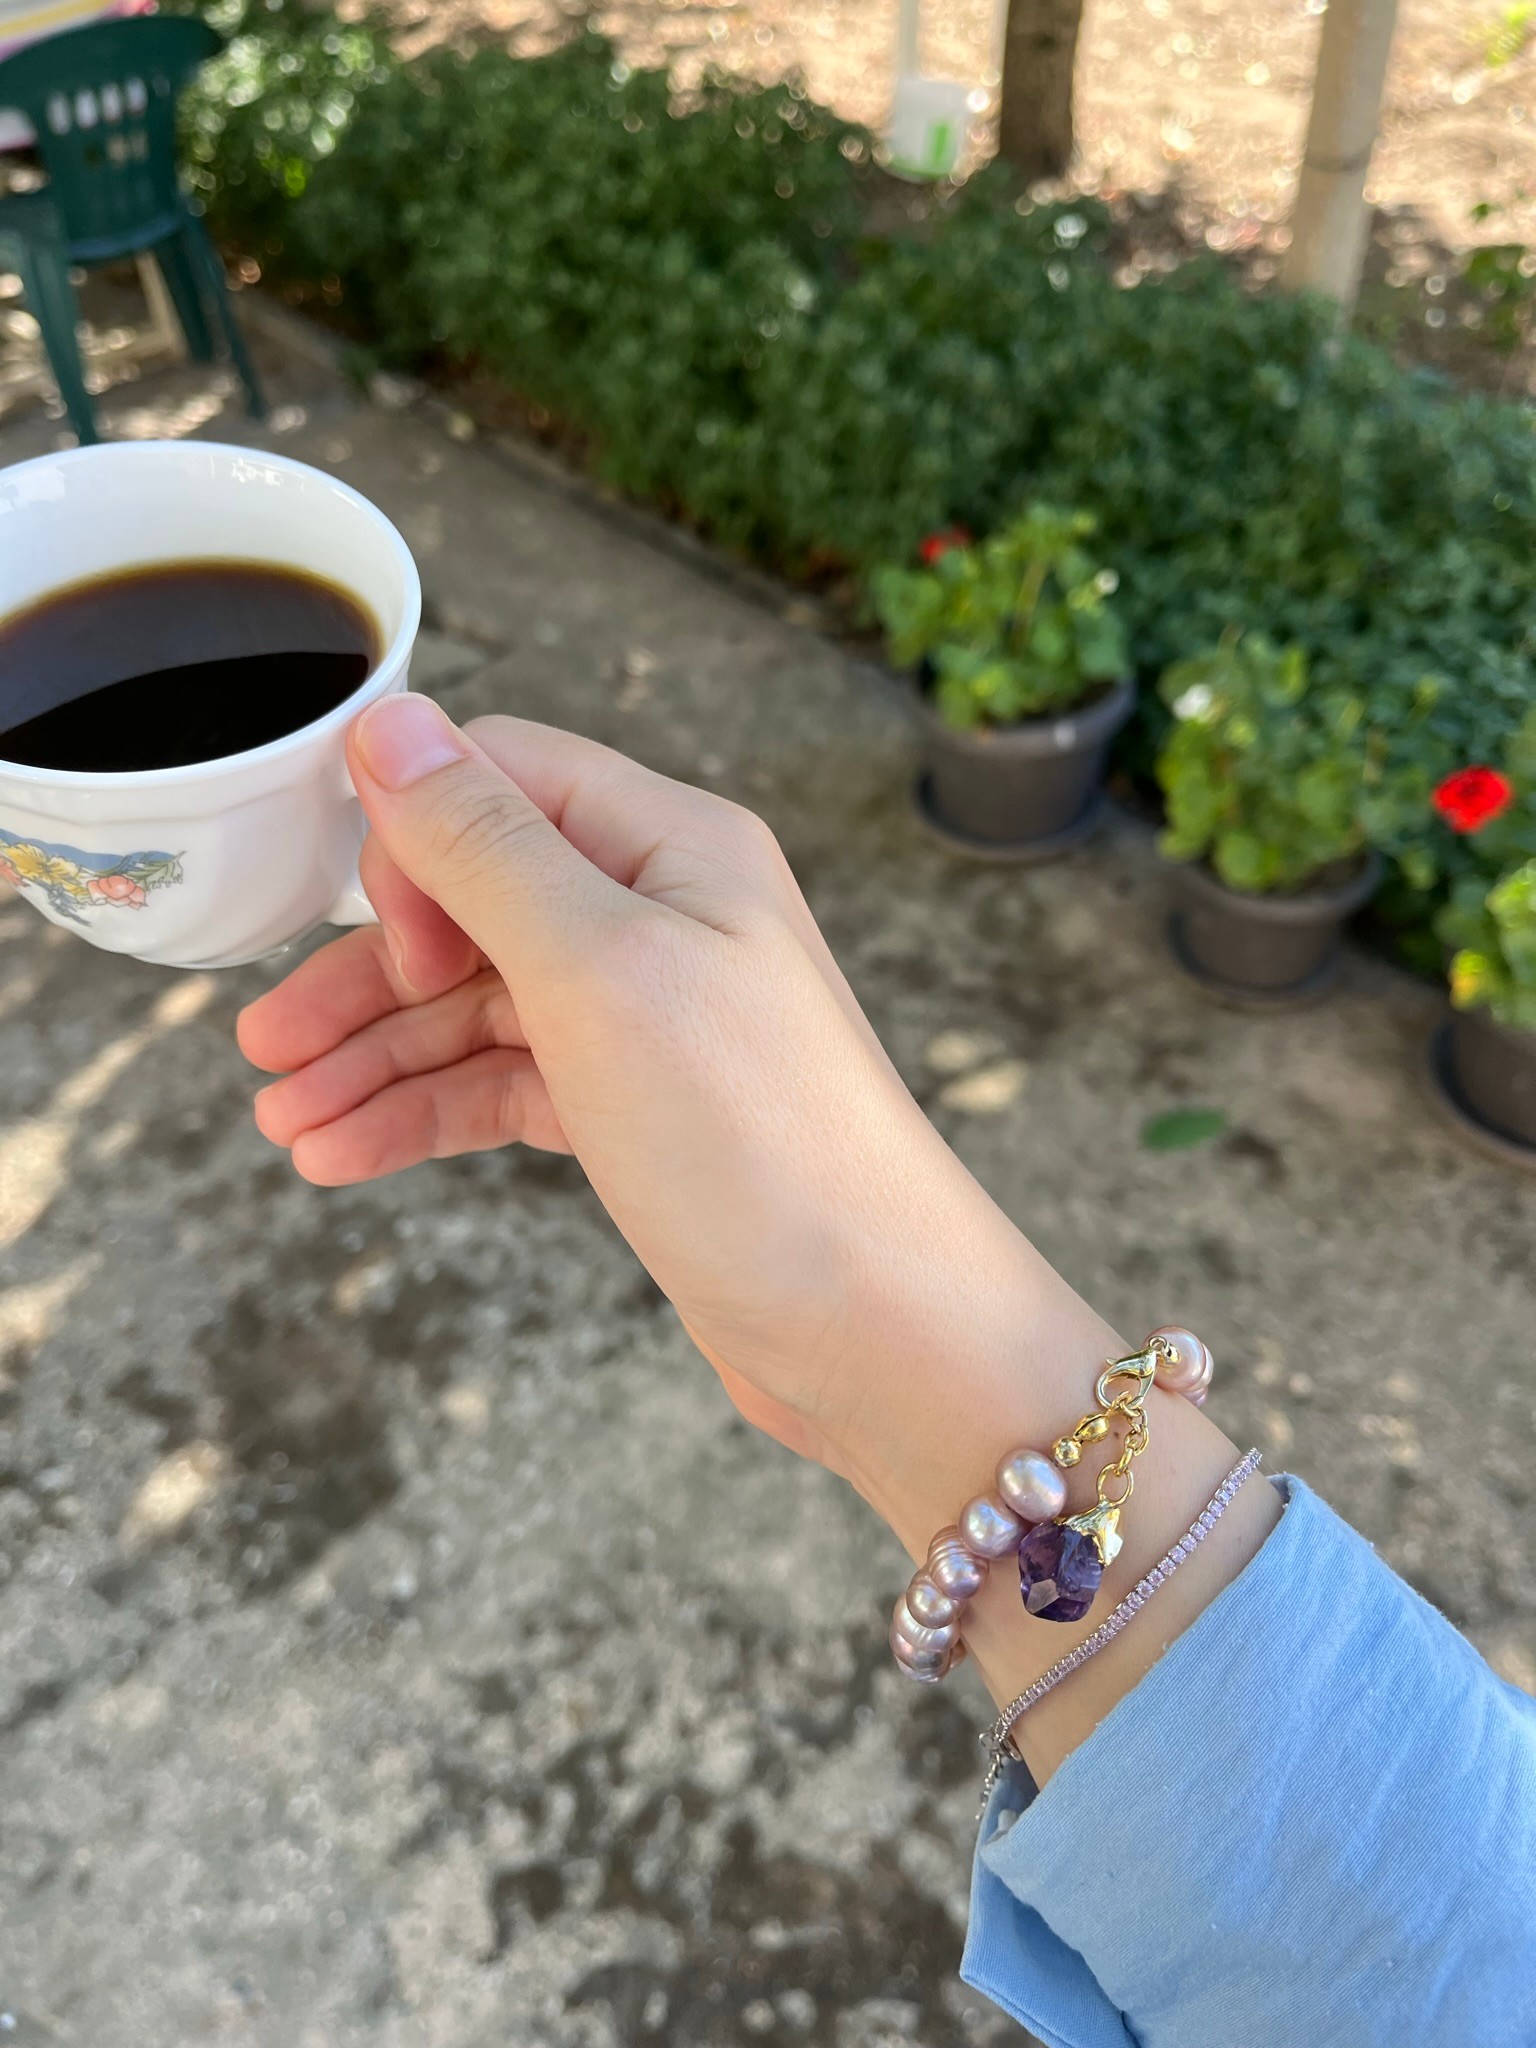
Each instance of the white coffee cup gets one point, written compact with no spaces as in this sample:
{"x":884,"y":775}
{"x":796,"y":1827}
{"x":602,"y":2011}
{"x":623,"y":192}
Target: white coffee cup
{"x":221,"y":861}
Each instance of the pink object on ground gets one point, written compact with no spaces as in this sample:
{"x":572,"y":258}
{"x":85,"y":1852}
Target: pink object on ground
{"x":24,"y":21}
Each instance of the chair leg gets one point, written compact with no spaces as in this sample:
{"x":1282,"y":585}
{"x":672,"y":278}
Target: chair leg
{"x":45,"y":285}
{"x":197,"y":240}
{"x":185,"y":285}
{"x":164,"y":329}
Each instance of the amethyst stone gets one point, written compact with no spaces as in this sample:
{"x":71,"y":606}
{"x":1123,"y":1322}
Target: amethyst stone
{"x":1059,"y":1572}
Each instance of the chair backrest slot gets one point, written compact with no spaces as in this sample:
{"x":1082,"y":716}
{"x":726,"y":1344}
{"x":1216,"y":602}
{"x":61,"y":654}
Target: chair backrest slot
{"x":102,"y":103}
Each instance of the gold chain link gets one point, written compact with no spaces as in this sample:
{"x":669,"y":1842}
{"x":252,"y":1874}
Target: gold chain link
{"x":1129,"y":1406}
{"x":1136,"y":1440}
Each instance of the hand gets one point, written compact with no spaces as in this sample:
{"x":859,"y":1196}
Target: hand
{"x":580,"y":955}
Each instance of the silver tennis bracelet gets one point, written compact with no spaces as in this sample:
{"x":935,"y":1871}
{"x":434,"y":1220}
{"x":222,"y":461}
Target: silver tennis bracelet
{"x":998,"y":1740}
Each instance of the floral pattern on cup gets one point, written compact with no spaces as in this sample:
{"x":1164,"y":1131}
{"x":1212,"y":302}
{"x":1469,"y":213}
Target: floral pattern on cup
{"x":73,"y":881}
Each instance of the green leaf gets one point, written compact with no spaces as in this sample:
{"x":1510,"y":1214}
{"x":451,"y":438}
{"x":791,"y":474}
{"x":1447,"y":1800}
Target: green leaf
{"x":1177,"y":1129}
{"x":1241,"y":860}
{"x":1016,"y":627}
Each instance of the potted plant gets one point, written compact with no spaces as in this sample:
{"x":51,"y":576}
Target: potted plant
{"x":1263,"y":779}
{"x":1486,"y":1057}
{"x":1484,"y":1060}
{"x":1021,"y":681}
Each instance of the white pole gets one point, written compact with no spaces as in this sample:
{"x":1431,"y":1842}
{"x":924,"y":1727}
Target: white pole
{"x":1330,"y":221}
{"x":906,"y":38}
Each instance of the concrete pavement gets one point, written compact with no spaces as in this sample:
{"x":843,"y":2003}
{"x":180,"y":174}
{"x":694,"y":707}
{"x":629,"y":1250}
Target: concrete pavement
{"x":362,"y":1677}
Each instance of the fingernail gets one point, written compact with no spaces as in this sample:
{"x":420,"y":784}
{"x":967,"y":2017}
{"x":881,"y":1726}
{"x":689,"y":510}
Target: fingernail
{"x":401,"y":739}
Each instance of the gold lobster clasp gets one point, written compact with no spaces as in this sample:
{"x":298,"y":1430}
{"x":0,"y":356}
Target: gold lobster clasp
{"x":1113,"y":1487}
{"x":1138,"y":1367}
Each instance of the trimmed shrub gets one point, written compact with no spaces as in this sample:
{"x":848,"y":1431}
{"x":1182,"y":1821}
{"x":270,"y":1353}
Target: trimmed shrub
{"x":698,"y":293}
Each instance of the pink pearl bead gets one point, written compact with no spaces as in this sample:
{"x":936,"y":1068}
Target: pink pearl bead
{"x":916,"y":1637}
{"x":923,"y":1665}
{"x":1186,"y":1365}
{"x":928,"y":1605}
{"x":1032,"y":1486}
{"x":990,"y":1527}
{"x":953,"y":1568}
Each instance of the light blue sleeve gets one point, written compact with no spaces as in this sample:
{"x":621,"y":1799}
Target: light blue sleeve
{"x":1311,"y":1825}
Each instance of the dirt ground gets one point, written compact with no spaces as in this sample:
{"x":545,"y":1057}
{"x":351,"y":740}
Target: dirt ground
{"x":1208,"y":94}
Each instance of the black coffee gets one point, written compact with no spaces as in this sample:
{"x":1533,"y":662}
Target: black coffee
{"x":182,"y":662}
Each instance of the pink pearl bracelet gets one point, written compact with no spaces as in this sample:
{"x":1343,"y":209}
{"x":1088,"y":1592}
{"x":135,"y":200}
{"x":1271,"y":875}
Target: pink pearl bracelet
{"x":1061,"y":1565}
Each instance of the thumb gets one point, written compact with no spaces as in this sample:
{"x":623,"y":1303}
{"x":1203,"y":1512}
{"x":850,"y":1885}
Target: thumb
{"x":463,"y":831}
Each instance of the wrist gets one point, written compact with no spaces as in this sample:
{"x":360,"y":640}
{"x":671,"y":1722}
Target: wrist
{"x":966,"y":1346}
{"x":981,"y":1349}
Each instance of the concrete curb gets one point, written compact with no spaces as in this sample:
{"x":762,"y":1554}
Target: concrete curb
{"x":284,"y":328}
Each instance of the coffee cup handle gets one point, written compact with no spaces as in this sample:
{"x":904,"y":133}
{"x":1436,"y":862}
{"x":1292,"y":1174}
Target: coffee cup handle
{"x":352,"y":905}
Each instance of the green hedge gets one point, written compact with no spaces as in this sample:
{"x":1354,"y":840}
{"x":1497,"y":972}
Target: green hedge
{"x":704,"y":298}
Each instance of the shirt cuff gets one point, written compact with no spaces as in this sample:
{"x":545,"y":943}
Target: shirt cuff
{"x":1314,"y":1819}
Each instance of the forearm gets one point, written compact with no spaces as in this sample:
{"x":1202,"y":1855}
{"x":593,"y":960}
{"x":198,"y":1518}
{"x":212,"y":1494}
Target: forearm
{"x":685,"y":1031}
{"x":977,"y":1347}
{"x":1278,"y":1825}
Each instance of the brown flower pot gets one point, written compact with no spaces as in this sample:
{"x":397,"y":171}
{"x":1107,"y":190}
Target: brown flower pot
{"x":1489,"y":1069}
{"x":1263,"y":949}
{"x":1018,"y":791}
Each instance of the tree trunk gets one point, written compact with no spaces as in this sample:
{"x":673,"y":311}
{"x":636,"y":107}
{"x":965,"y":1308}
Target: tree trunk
{"x":1039,"y":50}
{"x":1330,"y":220}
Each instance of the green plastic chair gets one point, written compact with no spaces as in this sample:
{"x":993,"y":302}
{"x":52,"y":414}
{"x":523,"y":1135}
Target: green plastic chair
{"x":102,"y":103}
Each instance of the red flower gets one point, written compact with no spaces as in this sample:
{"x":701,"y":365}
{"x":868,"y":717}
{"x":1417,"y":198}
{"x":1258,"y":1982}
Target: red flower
{"x":118,"y":889}
{"x":1471,"y":798}
{"x":939,"y":544}
{"x":9,"y":876}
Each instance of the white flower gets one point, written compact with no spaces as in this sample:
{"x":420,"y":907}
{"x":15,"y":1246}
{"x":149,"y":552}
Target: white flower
{"x":1194,"y":703}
